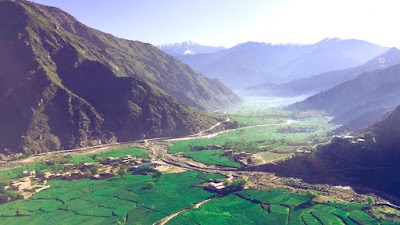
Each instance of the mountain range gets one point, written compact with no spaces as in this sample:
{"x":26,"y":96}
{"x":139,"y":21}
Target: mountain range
{"x":188,"y":48}
{"x":324,"y":81}
{"x":255,"y":63}
{"x":357,"y":103}
{"x":65,"y":85}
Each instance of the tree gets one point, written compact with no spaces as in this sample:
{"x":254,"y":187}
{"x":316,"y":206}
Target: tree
{"x":94,"y":170}
{"x":39,"y":174}
{"x":235,"y":185}
{"x":312,"y":195}
{"x":88,"y":173}
{"x":370,"y":200}
{"x":94,"y":156}
{"x":150,"y":184}
{"x":156,"y":175}
{"x":3,"y":185}
{"x":121,"y":171}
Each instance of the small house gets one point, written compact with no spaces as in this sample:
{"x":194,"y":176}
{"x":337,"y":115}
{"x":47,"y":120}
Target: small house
{"x":150,"y":164}
{"x":215,"y":186}
{"x":21,"y":184}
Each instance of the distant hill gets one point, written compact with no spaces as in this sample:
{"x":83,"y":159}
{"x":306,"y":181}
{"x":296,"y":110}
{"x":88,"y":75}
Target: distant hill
{"x":188,"y":48}
{"x":65,"y":85}
{"x":324,"y":81}
{"x":366,"y":96}
{"x":255,"y":63}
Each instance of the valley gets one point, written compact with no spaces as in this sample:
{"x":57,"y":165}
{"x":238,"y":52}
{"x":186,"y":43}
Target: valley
{"x":267,"y":121}
{"x":263,"y":137}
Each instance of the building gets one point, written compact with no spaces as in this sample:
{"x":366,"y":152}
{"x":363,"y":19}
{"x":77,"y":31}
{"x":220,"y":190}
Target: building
{"x":150,"y":164}
{"x":214,"y":186}
{"x":21,"y":184}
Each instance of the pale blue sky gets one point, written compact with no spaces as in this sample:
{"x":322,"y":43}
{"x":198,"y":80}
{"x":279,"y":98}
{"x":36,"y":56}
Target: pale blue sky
{"x":229,"y":22}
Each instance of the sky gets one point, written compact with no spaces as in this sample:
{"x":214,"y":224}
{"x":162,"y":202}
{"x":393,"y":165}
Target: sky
{"x":230,"y":22}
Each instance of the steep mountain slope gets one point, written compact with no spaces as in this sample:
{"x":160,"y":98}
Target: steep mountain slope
{"x":188,"y":48}
{"x":324,"y":81}
{"x":374,"y":91}
{"x":253,"y":63}
{"x":63,"y":85}
{"x":141,"y":61}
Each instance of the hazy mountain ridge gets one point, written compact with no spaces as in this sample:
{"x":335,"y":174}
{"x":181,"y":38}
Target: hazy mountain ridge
{"x":62,"y":89}
{"x":324,"y":81}
{"x":188,"y":48}
{"x":253,"y":63}
{"x":360,"y":96}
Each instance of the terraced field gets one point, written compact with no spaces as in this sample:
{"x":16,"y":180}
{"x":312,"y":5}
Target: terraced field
{"x":129,"y":200}
{"x":211,"y":157}
{"x":275,"y":207}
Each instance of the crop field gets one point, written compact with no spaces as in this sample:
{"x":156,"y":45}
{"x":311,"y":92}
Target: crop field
{"x":251,"y":121}
{"x":273,"y":132}
{"x":108,"y":201}
{"x":230,"y":209}
{"x":268,"y":137}
{"x":110,"y":153}
{"x":245,"y":207}
{"x":211,"y":157}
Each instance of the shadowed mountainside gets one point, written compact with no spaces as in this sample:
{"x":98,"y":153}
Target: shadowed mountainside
{"x":64,"y":85}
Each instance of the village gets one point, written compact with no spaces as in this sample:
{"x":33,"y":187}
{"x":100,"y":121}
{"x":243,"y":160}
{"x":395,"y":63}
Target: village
{"x":31,"y":182}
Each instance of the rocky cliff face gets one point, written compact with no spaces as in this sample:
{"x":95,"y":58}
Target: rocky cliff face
{"x":64,"y":85}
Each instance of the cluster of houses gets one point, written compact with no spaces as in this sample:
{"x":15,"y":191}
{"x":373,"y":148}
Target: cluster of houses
{"x":28,"y":185}
{"x":107,"y":168}
{"x":351,"y":139}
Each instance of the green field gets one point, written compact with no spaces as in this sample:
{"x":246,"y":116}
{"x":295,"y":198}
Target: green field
{"x":251,"y":121}
{"x":244,"y":207}
{"x":130,"y":201}
{"x":270,"y":132}
{"x":230,"y":209}
{"x":108,"y":201}
{"x":211,"y":157}
{"x":266,"y":136}
{"x":110,"y":153}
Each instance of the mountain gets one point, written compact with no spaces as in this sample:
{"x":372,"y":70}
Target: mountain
{"x":373,"y":162}
{"x":188,"y":48}
{"x":254,"y":63}
{"x":366,"y":96}
{"x":65,"y":85}
{"x":324,"y":81}
{"x":368,"y":159}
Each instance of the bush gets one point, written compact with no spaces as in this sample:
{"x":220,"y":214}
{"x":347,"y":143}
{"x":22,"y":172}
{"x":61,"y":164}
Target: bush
{"x":235,"y":185}
{"x":145,"y":170}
